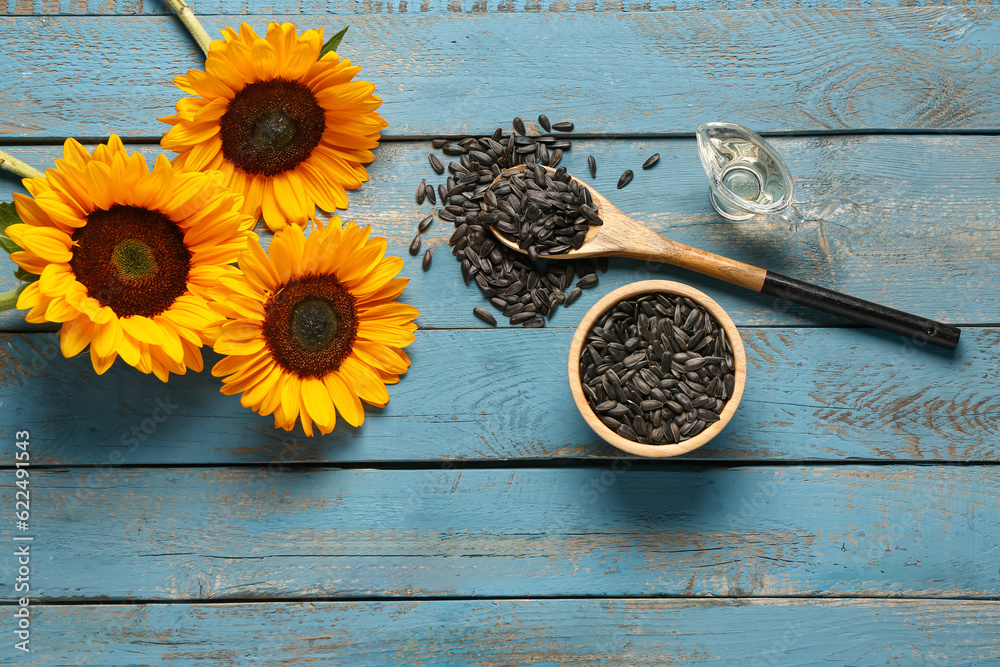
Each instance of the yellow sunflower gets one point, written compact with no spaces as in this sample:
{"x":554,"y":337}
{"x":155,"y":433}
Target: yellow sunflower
{"x":290,"y":130}
{"x":314,"y":326}
{"x":126,"y":255}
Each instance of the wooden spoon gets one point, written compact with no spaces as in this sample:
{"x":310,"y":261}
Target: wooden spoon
{"x":621,"y":236}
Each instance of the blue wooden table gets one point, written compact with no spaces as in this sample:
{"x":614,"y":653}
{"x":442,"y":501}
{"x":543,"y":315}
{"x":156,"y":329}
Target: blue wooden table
{"x":848,"y":515}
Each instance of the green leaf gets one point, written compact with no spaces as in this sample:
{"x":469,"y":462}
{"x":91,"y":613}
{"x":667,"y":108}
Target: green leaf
{"x":8,"y":217}
{"x":333,"y":43}
{"x":8,"y":300}
{"x":25,"y":276}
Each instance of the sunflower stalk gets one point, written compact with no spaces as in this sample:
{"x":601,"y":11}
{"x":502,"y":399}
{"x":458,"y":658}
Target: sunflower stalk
{"x":15,"y":166}
{"x":191,"y":22}
{"x":8,"y":300}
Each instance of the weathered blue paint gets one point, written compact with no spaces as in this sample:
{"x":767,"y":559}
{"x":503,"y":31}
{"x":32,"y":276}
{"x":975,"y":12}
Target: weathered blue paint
{"x":218,"y":533}
{"x":828,"y":394}
{"x":293,"y":8}
{"x":614,"y":73}
{"x":901,"y":217}
{"x":474,"y":633}
{"x":908,"y":221}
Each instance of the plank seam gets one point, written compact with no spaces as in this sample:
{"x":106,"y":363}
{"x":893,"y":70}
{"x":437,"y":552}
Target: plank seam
{"x":143,"y":140}
{"x":636,"y":465}
{"x":515,"y":598}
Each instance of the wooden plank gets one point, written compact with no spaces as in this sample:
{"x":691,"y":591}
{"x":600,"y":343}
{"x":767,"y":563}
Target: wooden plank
{"x":812,"y":394}
{"x":661,"y":72}
{"x":903,"y":224}
{"x":493,"y":633}
{"x":205,"y":8}
{"x":218,"y":533}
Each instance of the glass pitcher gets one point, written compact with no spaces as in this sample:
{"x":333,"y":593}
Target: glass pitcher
{"x":747,"y":176}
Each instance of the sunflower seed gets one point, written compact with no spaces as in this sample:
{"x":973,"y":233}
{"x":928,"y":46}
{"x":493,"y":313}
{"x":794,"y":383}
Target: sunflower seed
{"x":587,"y":281}
{"x":626,"y":432}
{"x":459,"y":234}
{"x":545,"y":210}
{"x":543,"y":120}
{"x":425,"y":224}
{"x":651,"y":161}
{"x":625,"y":178}
{"x":592,"y":163}
{"x":422,"y":191}
{"x":426,"y":264}
{"x":484,"y":315}
{"x":658,"y":395}
{"x":435,"y":163}
{"x":519,"y":125}
{"x":564,"y":126}
{"x":429,"y":194}
{"x":473,"y":204}
{"x":415,"y":245}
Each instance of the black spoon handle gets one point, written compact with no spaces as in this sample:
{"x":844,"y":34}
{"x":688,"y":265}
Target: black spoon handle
{"x":918,"y":328}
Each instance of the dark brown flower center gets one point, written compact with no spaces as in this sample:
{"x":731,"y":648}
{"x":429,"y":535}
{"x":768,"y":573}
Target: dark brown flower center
{"x":310,"y":325}
{"x":271,"y":126}
{"x":131,"y":259}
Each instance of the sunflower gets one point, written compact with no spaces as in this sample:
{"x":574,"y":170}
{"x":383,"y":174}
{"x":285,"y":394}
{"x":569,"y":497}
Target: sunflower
{"x":314,"y":326}
{"x":126,"y":255}
{"x":290,"y":130}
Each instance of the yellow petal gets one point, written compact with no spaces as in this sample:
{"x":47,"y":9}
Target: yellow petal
{"x":108,"y":339}
{"x":101,"y":364}
{"x":317,"y":401}
{"x":143,"y":329}
{"x":47,"y":242}
{"x":290,"y":396}
{"x":265,"y":60}
{"x":223,"y":346}
{"x":363,"y":381}
{"x":348,"y":404}
{"x":75,"y":335}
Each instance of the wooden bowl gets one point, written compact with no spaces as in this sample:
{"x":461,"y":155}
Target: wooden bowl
{"x":638,"y":289}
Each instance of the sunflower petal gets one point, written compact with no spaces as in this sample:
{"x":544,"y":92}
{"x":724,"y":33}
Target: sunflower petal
{"x":348,"y":404}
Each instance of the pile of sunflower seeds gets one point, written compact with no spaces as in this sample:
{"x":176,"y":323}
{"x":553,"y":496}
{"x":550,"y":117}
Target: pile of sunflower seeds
{"x":543,"y":213}
{"x":513,"y":283}
{"x":657,"y":369}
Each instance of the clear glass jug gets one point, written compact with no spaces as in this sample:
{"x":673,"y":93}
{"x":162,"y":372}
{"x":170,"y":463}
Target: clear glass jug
{"x":747,"y":176}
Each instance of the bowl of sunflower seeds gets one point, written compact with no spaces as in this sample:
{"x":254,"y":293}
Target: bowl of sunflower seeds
{"x":657,"y":368}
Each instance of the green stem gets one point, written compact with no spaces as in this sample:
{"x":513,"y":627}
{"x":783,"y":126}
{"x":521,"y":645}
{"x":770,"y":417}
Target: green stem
{"x":8,"y":300}
{"x":191,"y":22}
{"x":22,"y":169}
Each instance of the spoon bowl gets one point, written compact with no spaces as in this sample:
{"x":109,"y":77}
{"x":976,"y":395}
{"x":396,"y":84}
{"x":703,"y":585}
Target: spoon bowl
{"x":590,"y":248}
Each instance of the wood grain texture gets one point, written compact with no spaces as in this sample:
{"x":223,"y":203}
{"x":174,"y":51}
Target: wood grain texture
{"x":497,"y":633}
{"x":895,"y":220}
{"x":221,"y":533}
{"x":813,"y":394}
{"x":422,"y":7}
{"x":658,"y":72}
